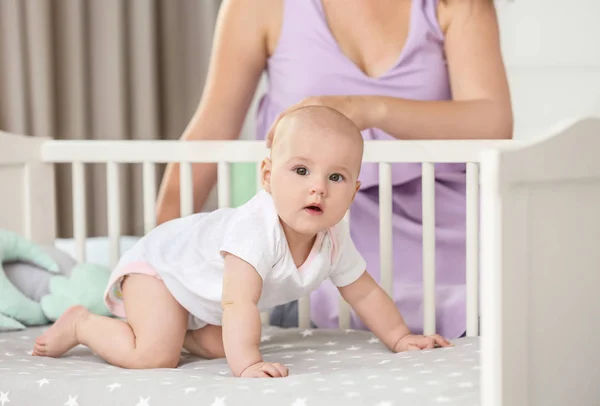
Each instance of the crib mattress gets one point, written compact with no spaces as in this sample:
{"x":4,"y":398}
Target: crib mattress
{"x":326,"y":367}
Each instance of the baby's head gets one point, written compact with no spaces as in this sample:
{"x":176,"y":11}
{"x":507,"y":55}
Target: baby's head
{"x":313,"y":169}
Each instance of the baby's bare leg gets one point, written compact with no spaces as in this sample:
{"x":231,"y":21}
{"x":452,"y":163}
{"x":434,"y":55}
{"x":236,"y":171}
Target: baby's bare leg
{"x":151,"y":338}
{"x":206,"y":342}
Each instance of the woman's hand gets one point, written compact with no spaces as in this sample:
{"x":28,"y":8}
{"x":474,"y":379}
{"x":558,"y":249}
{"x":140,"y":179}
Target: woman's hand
{"x":355,"y":108}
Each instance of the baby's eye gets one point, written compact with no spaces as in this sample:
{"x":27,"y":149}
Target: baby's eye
{"x":301,"y":171}
{"x":336,"y":177}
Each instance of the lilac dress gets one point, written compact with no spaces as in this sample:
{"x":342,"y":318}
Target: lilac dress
{"x":308,"y":62}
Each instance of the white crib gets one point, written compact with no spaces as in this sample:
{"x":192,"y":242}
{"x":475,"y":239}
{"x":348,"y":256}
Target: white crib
{"x":533,"y":238}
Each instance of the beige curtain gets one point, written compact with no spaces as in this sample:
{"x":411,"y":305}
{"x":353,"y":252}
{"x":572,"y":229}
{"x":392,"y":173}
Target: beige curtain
{"x":103,"y":69}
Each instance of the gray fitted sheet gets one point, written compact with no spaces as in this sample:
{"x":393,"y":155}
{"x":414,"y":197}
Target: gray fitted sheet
{"x":327,"y":367}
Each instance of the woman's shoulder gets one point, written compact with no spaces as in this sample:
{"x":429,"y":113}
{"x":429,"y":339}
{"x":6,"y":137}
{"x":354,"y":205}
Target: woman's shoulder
{"x":273,"y":15}
{"x":450,"y":11}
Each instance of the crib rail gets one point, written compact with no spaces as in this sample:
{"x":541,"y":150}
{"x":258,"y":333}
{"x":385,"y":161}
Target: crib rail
{"x":224,"y":153}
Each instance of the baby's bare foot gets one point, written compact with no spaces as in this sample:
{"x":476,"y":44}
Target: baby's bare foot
{"x":60,"y":337}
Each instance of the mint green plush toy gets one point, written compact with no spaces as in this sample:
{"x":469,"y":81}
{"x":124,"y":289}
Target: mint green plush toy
{"x":14,"y":303}
{"x":9,"y":324}
{"x":85,"y":287}
{"x":38,"y":283}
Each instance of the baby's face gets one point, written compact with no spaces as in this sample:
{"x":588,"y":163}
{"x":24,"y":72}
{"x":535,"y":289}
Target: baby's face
{"x":313,"y":178}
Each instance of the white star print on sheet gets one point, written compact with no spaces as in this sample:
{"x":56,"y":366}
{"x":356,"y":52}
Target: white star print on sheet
{"x":188,"y":390}
{"x":143,"y":402}
{"x":72,"y":401}
{"x":43,"y":382}
{"x":299,"y":402}
{"x":113,"y":386}
{"x":4,"y":398}
{"x":306,"y":333}
{"x":218,"y":402}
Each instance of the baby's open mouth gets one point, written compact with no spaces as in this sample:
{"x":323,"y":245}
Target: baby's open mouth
{"x":314,"y":209}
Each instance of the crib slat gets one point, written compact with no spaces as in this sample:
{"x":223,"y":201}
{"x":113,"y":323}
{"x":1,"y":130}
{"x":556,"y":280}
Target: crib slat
{"x":114,"y":214}
{"x":264,"y":316}
{"x":304,"y":312}
{"x":428,"y":196}
{"x":472,"y":254}
{"x":345,"y":314}
{"x":224,"y":184}
{"x":149,"y":185}
{"x":186,"y":193}
{"x":385,"y":227}
{"x":259,"y":185}
{"x":79,"y":212}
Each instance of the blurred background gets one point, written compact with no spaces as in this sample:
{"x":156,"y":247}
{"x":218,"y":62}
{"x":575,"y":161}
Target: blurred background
{"x":135,"y":69}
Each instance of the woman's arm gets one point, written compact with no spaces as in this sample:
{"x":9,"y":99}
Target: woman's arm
{"x":237,"y":61}
{"x":481,"y":106}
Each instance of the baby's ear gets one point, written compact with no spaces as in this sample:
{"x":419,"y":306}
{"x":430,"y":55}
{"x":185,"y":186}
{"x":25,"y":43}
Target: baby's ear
{"x":265,"y":173}
{"x":356,"y":190}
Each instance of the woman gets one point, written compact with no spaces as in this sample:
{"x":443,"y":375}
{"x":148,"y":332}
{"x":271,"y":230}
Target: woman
{"x":400,"y":69}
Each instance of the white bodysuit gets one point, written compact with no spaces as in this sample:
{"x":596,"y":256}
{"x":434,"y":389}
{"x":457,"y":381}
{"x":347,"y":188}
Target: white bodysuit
{"x":187,"y":254}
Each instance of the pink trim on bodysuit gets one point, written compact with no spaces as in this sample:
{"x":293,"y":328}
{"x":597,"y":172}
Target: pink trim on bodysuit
{"x":314,"y":250}
{"x":113,"y":296}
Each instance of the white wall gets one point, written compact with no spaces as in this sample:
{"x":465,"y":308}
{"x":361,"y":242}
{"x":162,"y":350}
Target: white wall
{"x":553,"y":60}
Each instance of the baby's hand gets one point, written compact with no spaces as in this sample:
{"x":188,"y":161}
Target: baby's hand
{"x":412,"y":342}
{"x":265,"y":370}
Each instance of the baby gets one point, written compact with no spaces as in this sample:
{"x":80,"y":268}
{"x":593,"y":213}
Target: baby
{"x":200,"y":282}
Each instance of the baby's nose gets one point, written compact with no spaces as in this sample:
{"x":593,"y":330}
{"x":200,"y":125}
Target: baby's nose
{"x":319,"y":187}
